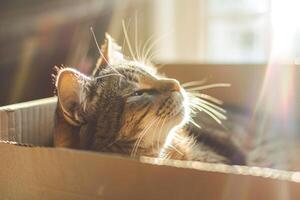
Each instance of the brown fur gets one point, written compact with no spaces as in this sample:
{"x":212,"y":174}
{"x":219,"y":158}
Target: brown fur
{"x":126,"y":107}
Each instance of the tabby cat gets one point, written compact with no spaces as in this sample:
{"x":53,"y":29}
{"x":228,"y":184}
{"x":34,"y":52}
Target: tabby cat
{"x":127,"y":107}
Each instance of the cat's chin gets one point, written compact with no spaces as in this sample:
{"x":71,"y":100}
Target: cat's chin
{"x":179,"y":118}
{"x":162,"y":130}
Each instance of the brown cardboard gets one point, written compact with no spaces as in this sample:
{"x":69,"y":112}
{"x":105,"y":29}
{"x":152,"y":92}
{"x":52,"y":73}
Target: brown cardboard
{"x":28,"y":123}
{"x":54,"y":173}
{"x":47,"y":173}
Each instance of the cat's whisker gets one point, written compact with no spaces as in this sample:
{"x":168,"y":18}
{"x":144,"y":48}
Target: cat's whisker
{"x":135,"y":146}
{"x":193,"y":83}
{"x":141,"y":136}
{"x":145,"y":46}
{"x":153,"y":44}
{"x":154,"y":135}
{"x":177,"y":150}
{"x":208,"y":97}
{"x":136,"y":37}
{"x":216,"y":109}
{"x":178,"y":137}
{"x":107,"y":75}
{"x":200,"y":101}
{"x":196,"y":101}
{"x":147,"y":56}
{"x":153,"y":54}
{"x":165,"y":156}
{"x":216,"y":85}
{"x":97,"y":45}
{"x":123,"y":44}
{"x":159,"y":133}
{"x":212,"y":110}
{"x":194,"y":123}
{"x":100,"y":52}
{"x":127,"y":40}
{"x":140,"y":46}
{"x":209,"y":113}
{"x":113,"y":142}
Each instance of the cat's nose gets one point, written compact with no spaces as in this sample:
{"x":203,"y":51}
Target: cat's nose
{"x":170,"y":85}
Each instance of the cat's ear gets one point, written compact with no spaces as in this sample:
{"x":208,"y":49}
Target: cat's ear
{"x":111,"y":54}
{"x":70,"y":91}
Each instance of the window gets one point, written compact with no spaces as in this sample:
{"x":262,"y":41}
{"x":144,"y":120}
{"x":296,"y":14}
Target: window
{"x":213,"y":31}
{"x":237,"y":31}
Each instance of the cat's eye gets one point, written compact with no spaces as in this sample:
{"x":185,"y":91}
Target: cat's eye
{"x":141,"y":92}
{"x":138,"y":93}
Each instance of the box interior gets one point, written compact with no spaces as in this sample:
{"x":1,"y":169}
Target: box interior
{"x":42,"y":171}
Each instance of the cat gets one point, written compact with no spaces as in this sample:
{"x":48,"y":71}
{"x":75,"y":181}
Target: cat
{"x":127,"y":107}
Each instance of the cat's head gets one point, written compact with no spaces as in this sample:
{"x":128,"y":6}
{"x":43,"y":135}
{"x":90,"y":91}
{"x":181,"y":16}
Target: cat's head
{"x":122,"y":101}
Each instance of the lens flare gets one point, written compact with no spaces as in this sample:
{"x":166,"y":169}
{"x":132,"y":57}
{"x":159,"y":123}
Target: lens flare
{"x":275,"y":108}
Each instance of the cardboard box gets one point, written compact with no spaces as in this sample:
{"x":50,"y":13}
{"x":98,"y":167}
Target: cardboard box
{"x":43,"y":172}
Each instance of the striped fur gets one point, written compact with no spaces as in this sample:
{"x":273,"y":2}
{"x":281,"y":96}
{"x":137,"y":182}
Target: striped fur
{"x":126,"y":107}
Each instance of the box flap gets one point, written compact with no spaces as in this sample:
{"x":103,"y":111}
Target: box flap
{"x":29,"y":122}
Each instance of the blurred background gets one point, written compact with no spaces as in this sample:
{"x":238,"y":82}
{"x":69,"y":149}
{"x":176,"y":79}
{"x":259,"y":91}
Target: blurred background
{"x":252,"y":44}
{"x":37,"y":35}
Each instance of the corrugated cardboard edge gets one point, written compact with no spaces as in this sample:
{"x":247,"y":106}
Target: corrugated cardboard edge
{"x":29,"y":122}
{"x":293,"y":176}
{"x":39,"y":102}
{"x":16,"y":143}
